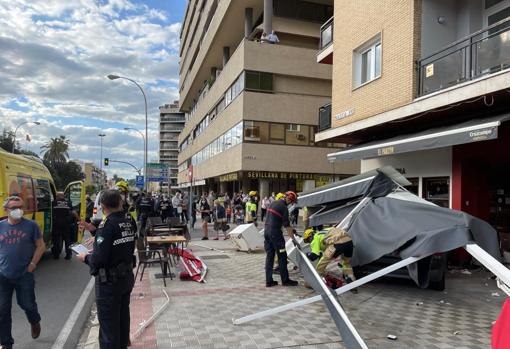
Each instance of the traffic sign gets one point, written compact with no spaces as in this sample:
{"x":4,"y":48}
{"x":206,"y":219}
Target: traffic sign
{"x":157,"y":172}
{"x":139,"y":181}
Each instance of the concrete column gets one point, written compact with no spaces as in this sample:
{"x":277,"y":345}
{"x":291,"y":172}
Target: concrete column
{"x":268,"y":16}
{"x":308,"y":184}
{"x":223,"y":187}
{"x":264,"y":188}
{"x":226,"y":55}
{"x":248,"y":21}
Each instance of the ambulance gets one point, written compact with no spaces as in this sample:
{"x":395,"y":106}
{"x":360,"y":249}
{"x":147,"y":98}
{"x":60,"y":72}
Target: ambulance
{"x":27,"y":177}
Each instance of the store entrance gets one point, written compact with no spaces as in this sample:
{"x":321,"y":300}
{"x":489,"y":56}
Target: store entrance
{"x":499,"y":206}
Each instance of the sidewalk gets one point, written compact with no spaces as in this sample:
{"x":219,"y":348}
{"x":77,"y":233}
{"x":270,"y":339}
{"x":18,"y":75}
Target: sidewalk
{"x":200,"y":315}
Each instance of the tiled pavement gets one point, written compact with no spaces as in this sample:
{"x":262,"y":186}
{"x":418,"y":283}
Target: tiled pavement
{"x":200,"y":315}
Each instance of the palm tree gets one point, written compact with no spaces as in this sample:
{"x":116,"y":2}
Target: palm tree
{"x":55,"y":151}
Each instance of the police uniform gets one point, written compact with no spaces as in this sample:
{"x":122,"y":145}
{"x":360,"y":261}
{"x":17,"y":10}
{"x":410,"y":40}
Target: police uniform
{"x":145,"y":208}
{"x":165,"y":208}
{"x":62,"y":230}
{"x":111,"y":263}
{"x":274,"y":242}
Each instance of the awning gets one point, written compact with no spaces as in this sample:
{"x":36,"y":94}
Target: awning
{"x":348,"y":188}
{"x":468,"y":132}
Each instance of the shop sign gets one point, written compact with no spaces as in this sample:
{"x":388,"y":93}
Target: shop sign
{"x":481,"y":135}
{"x":386,"y":151}
{"x":285,"y":175}
{"x":229,"y":177}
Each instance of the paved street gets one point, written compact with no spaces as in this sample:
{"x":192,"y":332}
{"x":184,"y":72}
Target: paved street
{"x":200,"y":315}
{"x":59,"y":285}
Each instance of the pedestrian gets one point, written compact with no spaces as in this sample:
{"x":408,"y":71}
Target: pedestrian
{"x":177,"y":204}
{"x":220,"y":220}
{"x":263,"y":207}
{"x":21,"y":248}
{"x":251,"y":208}
{"x":89,"y":208}
{"x":63,"y":226}
{"x":205,"y":211}
{"x":210,"y":198}
{"x":184,"y":208}
{"x":111,"y":262}
{"x":274,"y":243}
{"x":165,"y":208}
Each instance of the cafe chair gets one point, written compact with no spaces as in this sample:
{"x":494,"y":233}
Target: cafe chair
{"x":148,"y":257}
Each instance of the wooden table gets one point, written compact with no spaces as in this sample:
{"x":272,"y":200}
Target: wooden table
{"x":174,"y":230}
{"x":166,"y":241}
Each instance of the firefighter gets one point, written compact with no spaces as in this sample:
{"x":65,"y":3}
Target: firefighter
{"x":327,"y":245}
{"x":251,"y":208}
{"x":111,"y":262}
{"x":63,"y":223}
{"x":274,"y":243}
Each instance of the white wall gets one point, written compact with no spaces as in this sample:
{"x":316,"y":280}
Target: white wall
{"x":421,"y":164}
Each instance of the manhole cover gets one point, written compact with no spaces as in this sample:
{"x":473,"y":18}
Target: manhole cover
{"x":215,"y":256}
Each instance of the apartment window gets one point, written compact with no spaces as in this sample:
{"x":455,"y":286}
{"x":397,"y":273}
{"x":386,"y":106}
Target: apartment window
{"x":259,"y":81}
{"x":256,"y":131}
{"x":277,"y":133}
{"x":367,"y":61}
{"x":293,"y":127}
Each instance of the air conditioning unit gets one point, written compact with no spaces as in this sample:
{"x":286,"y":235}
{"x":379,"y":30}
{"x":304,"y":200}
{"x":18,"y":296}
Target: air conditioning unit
{"x":300,"y":137}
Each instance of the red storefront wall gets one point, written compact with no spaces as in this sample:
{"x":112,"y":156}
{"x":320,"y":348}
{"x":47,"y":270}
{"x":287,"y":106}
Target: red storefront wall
{"x":471,"y":166}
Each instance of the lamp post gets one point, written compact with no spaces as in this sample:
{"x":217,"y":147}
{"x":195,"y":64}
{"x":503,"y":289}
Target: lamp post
{"x":16,"y":130}
{"x":101,"y":135}
{"x":115,"y":77}
{"x":144,"y":145}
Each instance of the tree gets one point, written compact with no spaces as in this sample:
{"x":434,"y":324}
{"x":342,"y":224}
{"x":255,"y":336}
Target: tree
{"x":56,"y":150}
{"x":64,"y":173}
{"x":7,"y":140}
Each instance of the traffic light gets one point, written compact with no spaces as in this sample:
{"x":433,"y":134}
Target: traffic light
{"x":106,"y":161}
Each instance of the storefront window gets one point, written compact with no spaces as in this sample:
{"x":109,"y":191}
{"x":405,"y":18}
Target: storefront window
{"x":277,"y":134}
{"x":437,"y":190}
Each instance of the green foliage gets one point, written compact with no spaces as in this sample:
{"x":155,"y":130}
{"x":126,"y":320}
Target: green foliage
{"x":6,"y":141}
{"x":64,"y":173}
{"x":56,"y":150}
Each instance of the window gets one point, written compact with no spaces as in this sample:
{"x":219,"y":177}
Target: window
{"x":43,"y":195}
{"x":297,"y":135}
{"x":367,"y":62}
{"x":259,"y":81}
{"x":293,"y":127}
{"x":256,"y":131}
{"x":277,"y":133}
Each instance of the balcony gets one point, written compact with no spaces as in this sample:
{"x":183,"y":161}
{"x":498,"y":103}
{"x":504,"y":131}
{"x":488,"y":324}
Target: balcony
{"x":325,"y":54}
{"x":482,"y":53}
{"x":325,"y":117}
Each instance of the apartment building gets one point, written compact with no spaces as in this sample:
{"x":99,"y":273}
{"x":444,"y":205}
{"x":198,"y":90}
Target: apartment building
{"x":423,"y":85}
{"x":171,"y":123}
{"x":250,"y":105}
{"x":93,"y":175}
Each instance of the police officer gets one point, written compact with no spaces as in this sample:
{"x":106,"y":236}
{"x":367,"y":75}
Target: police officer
{"x":145,"y":207}
{"x":63,"y":219}
{"x":274,"y":243}
{"x":111,"y":262}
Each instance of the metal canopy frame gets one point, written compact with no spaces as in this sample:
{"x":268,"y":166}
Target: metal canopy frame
{"x":348,"y":332}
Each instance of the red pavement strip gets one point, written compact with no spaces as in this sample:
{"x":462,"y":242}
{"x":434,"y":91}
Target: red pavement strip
{"x":141,"y":309}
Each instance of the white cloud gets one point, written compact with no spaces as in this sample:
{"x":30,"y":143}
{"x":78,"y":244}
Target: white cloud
{"x":53,"y":62}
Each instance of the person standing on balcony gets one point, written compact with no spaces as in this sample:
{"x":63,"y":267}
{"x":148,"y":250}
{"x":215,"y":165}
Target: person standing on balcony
{"x":273,"y":38}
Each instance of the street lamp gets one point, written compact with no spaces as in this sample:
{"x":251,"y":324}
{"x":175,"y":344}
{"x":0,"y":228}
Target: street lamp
{"x":115,"y":77}
{"x":102,"y":135}
{"x":144,"y":144}
{"x":16,"y":130}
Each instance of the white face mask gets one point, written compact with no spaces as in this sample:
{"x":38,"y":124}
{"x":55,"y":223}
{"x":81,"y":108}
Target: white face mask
{"x":16,"y":213}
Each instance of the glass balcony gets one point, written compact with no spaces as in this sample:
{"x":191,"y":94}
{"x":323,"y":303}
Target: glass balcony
{"x":482,"y":53}
{"x":326,"y":34}
{"x":325,"y":117}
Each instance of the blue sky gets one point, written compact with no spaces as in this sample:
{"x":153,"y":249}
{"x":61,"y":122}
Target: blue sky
{"x":53,"y":65}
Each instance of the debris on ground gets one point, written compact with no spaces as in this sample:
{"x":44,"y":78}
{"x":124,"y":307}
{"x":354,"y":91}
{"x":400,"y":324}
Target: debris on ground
{"x":495,"y":294}
{"x":392,"y":337}
{"x":456,"y":333}
{"x":465,"y":271}
{"x":419,"y":303}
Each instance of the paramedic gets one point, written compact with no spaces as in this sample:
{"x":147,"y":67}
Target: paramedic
{"x":274,"y":243}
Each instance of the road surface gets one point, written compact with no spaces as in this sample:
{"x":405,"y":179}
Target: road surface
{"x":59,"y":285}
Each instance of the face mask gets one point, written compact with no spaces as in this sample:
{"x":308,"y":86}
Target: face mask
{"x":16,"y":213}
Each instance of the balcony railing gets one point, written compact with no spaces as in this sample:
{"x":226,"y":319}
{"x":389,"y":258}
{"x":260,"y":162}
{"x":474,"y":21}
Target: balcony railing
{"x":326,"y":34}
{"x":325,"y":117}
{"x":484,"y":52}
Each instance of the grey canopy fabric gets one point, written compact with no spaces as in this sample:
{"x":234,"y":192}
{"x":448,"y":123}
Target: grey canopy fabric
{"x":385,"y":224}
{"x":348,"y":188}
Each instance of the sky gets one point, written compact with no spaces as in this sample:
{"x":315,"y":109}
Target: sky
{"x":54,"y":58}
